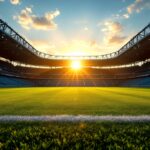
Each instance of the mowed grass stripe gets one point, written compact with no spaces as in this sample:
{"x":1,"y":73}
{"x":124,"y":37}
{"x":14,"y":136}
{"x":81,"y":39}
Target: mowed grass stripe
{"x":74,"y":101}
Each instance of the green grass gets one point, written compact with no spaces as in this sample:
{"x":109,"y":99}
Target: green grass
{"x":73,"y":136}
{"x":81,"y":135}
{"x":76,"y":100}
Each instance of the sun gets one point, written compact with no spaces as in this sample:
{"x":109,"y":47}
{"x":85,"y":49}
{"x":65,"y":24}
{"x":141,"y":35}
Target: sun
{"x":76,"y":65}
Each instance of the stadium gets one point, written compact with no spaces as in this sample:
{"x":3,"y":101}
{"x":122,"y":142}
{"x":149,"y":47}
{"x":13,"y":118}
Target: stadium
{"x":23,"y":65}
{"x":97,"y":99}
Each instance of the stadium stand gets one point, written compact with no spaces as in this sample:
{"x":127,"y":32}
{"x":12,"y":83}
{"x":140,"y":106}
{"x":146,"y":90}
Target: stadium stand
{"x":50,"y":70}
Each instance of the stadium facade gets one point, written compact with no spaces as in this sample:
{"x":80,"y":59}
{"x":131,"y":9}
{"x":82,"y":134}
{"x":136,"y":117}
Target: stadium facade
{"x":22,"y":65}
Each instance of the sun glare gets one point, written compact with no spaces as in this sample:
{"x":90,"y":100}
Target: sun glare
{"x":76,"y":65}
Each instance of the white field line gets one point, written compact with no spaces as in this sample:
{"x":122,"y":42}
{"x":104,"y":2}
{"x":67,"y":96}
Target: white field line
{"x":78,"y":118}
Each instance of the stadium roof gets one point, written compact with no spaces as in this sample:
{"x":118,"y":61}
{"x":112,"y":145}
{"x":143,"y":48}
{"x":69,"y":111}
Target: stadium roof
{"x":15,"y":48}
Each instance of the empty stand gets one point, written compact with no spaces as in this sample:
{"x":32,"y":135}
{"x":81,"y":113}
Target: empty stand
{"x":14,"y":48}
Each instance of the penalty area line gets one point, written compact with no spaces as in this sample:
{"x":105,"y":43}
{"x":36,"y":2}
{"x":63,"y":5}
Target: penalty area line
{"x":75,"y":118}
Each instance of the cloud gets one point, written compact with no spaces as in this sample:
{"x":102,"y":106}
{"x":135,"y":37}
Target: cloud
{"x":138,"y":6}
{"x":115,"y":39}
{"x":110,"y":26}
{"x":15,"y":2}
{"x":28,"y":20}
{"x":126,"y":16}
{"x":69,"y":47}
{"x":113,"y":32}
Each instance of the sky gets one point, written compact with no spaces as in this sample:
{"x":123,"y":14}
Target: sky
{"x":76,"y":27}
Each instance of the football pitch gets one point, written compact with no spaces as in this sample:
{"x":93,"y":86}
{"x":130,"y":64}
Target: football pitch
{"x":75,"y":101}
